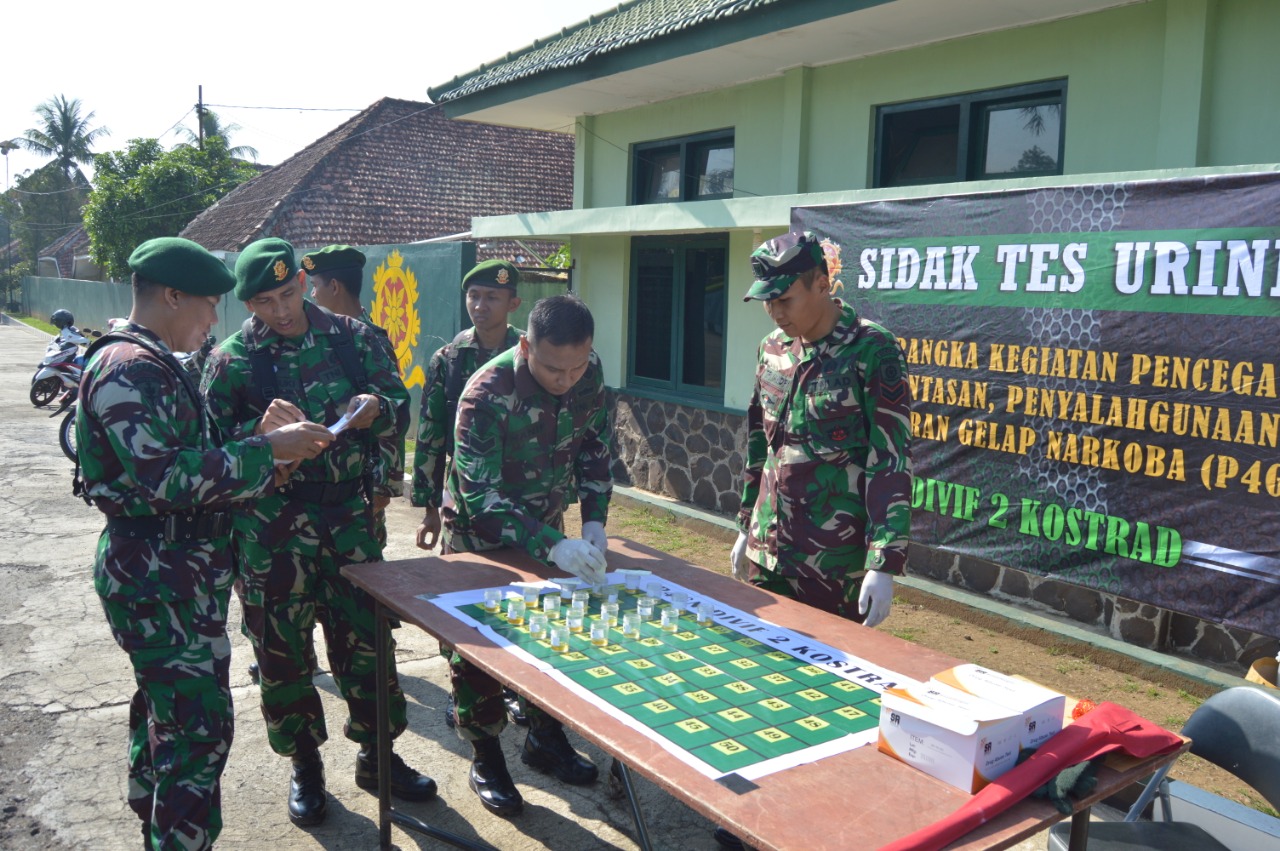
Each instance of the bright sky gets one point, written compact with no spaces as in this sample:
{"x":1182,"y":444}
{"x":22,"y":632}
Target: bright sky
{"x":137,"y":64}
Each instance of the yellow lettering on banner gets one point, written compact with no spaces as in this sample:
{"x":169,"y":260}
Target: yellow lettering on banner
{"x":956,"y":392}
{"x":1053,"y":362}
{"x":1207,"y":375}
{"x":952,"y":354}
{"x":1109,"y":454}
{"x":929,"y":426}
{"x":1016,"y":440}
{"x":1183,"y":419}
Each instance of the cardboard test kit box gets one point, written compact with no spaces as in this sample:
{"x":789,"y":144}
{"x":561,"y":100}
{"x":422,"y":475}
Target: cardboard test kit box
{"x":958,"y":738}
{"x":1042,"y":709}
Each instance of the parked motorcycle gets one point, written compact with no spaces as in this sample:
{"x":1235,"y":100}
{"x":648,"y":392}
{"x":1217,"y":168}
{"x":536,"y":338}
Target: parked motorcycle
{"x":67,"y":433}
{"x":59,"y":372}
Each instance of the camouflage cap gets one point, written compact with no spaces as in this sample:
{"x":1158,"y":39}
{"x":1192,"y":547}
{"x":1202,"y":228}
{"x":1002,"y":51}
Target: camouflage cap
{"x":171,"y":261}
{"x":779,"y":261}
{"x":499,"y":274}
{"x":332,"y":258}
{"x":264,"y":266}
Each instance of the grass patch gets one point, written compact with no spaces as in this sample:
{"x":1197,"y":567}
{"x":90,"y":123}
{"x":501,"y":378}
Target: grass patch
{"x":36,"y":323}
{"x":904,"y":634}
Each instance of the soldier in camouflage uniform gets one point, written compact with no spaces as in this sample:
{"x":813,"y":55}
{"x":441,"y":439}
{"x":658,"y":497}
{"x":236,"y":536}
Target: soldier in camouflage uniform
{"x":336,"y":273}
{"x":826,"y":506}
{"x":163,"y":567}
{"x":531,"y":423}
{"x":294,"y":361}
{"x":490,"y":291}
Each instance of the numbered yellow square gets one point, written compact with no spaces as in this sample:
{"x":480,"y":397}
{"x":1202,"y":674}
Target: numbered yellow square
{"x":850,"y":712}
{"x":744,"y":664}
{"x":692,"y":725}
{"x":771,"y":734}
{"x":775,"y":704}
{"x":600,"y":672}
{"x":701,"y":696}
{"x":641,"y":664}
{"x":728,"y":747}
{"x":678,"y":656}
{"x":812,"y":723}
{"x":668,"y":679}
{"x":777,"y":679}
{"x":740,"y":687}
{"x":659,"y":706}
{"x":733,"y":714}
{"x":715,"y":649}
{"x":627,"y":689}
{"x":812,"y":694}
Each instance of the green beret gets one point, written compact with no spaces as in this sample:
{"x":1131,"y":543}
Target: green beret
{"x":171,"y":261}
{"x":332,"y":258}
{"x":778,"y":262}
{"x":493,"y":273}
{"x":264,"y":266}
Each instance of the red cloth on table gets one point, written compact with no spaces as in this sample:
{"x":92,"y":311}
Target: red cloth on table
{"x":1107,"y":728}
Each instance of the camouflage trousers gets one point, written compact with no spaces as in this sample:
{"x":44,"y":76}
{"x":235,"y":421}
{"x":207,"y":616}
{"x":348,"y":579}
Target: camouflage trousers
{"x":180,"y":718}
{"x":479,"y":709}
{"x":281,"y":607}
{"x":836,"y":595}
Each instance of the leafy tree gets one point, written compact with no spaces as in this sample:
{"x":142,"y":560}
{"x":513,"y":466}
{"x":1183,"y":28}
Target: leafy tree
{"x":1036,"y":160}
{"x":212,"y":126}
{"x":64,"y":134}
{"x":145,"y":192}
{"x":43,"y":206}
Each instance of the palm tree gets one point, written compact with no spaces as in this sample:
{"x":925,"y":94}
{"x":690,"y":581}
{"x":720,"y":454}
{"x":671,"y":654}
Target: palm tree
{"x":65,"y":135}
{"x":213,"y":126}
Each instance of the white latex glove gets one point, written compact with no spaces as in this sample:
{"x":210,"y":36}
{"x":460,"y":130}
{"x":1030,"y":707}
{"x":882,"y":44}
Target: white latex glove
{"x":593,"y":534}
{"x":877,"y":593}
{"x":580,"y":558}
{"x":738,"y":557}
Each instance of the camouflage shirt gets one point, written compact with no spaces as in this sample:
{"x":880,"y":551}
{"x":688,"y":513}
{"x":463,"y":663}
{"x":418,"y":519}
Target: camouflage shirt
{"x":518,"y":452}
{"x":390,"y":466}
{"x":447,"y":374}
{"x":827,"y":484}
{"x":309,"y":374}
{"x":144,"y":451}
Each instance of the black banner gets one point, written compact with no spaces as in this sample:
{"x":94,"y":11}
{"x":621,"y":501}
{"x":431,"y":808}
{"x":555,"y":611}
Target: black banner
{"x":1094,"y":379}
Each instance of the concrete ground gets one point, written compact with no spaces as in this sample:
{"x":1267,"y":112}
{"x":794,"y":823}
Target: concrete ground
{"x":66,"y":687}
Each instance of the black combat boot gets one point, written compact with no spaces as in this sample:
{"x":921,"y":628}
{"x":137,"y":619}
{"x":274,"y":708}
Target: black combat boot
{"x":406,"y":784}
{"x":307,"y":801}
{"x":490,"y":780}
{"x":546,"y":749}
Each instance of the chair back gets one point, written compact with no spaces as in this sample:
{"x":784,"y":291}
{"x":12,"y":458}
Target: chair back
{"x":1238,"y":729}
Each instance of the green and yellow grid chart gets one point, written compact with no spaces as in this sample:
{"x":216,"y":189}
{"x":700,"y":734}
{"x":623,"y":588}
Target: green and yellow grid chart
{"x":732,"y":695}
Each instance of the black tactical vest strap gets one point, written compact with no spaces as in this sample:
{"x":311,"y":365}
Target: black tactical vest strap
{"x":262,"y":379}
{"x":78,"y":487}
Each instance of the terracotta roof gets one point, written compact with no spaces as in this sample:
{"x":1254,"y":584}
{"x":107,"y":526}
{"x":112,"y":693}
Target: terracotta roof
{"x":627,"y":25}
{"x":400,"y":171}
{"x":65,"y":248}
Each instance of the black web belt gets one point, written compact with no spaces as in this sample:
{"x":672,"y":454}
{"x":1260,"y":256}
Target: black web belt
{"x":175,"y":527}
{"x":324,"y":493}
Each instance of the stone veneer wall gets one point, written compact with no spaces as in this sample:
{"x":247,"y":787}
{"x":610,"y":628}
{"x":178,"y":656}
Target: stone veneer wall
{"x":686,"y":453}
{"x":696,"y":456}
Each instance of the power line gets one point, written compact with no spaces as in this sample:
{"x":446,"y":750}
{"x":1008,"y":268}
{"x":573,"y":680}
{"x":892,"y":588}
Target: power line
{"x":288,"y":108}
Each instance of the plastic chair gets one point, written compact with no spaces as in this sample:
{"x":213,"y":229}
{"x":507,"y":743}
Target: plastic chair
{"x":1238,"y":730}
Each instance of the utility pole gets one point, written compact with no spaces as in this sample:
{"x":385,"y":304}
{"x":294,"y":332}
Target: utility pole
{"x":200,"y":116}
{"x":5,"y":147}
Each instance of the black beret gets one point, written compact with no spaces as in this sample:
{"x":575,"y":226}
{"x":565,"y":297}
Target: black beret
{"x":493,"y":273}
{"x":172,"y":261}
{"x":263,"y":266}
